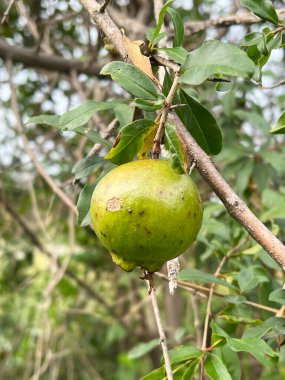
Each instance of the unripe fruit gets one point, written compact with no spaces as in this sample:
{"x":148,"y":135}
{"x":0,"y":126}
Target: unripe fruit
{"x":145,"y":213}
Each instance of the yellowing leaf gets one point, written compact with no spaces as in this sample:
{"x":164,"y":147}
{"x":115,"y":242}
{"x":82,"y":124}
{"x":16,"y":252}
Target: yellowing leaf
{"x":138,"y":59}
{"x":147,"y":142}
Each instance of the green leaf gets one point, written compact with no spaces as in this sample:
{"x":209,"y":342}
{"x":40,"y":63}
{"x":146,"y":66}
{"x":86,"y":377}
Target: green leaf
{"x":243,"y":168}
{"x":160,"y":22}
{"x":273,"y":41}
{"x":80,"y":116}
{"x":200,"y":123}
{"x":174,"y":147}
{"x":251,"y":39}
{"x":254,"y":118}
{"x":216,"y":369}
{"x":255,"y":39}
{"x":149,"y":106}
{"x":87,"y":166}
{"x":191,"y":369}
{"x":191,"y":274}
{"x":256,"y":347}
{"x":280,"y":126}
{"x":124,"y":114}
{"x":236,"y":319}
{"x":230,"y":359}
{"x":184,"y":353}
{"x":83,"y":203}
{"x":142,"y":349}
{"x":192,"y":93}
{"x":52,"y":120}
{"x":157,"y":374}
{"x":177,"y":54}
{"x":223,"y":86}
{"x":66,"y":288}
{"x":92,"y":136}
{"x":178,"y":26}
{"x":150,"y":33}
{"x":84,"y":199}
{"x":263,"y":9}
{"x":132,"y":79}
{"x":217,"y":332}
{"x":249,"y":278}
{"x":274,"y":325}
{"x":215,"y":57}
{"x":259,"y":59}
{"x":131,"y":140}
{"x":278,"y":296}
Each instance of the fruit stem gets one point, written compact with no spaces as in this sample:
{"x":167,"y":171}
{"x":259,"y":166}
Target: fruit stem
{"x":164,"y":114}
{"x":152,"y":292}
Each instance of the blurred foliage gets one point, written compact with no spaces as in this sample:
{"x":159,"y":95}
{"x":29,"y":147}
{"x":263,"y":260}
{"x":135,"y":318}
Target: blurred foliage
{"x":95,"y":321}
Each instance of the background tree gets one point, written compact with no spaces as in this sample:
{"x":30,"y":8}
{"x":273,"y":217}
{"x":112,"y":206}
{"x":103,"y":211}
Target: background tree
{"x":66,"y":311}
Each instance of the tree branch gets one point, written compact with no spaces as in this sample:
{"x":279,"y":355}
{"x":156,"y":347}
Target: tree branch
{"x":29,"y":57}
{"x":106,"y":25}
{"x":201,"y":292}
{"x":234,"y":205}
{"x":161,"y":332}
{"x":247,"y":18}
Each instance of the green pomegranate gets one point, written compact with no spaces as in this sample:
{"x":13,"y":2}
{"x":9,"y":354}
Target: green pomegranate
{"x":145,"y":213}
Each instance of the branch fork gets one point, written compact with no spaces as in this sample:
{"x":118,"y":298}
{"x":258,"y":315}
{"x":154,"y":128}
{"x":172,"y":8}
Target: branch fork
{"x":163,"y":118}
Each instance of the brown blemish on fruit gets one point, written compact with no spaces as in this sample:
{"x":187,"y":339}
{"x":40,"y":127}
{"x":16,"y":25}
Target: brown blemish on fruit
{"x":147,"y":231}
{"x":103,"y":234}
{"x":113,"y":204}
{"x":130,"y":210}
{"x":141,"y":212}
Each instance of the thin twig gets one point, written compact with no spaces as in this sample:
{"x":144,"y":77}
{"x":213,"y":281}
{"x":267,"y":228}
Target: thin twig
{"x":104,"y":6}
{"x":270,"y":87}
{"x":161,"y":332}
{"x":5,"y":14}
{"x":200,"y":291}
{"x":246,"y":18}
{"x":105,"y":134}
{"x":29,"y":57}
{"x":167,"y":63}
{"x":163,"y":118}
{"x":211,"y":292}
{"x":197,"y":320}
{"x":32,"y":26}
{"x":15,"y":106}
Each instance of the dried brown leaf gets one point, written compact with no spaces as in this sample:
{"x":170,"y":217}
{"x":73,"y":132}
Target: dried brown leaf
{"x":138,"y":59}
